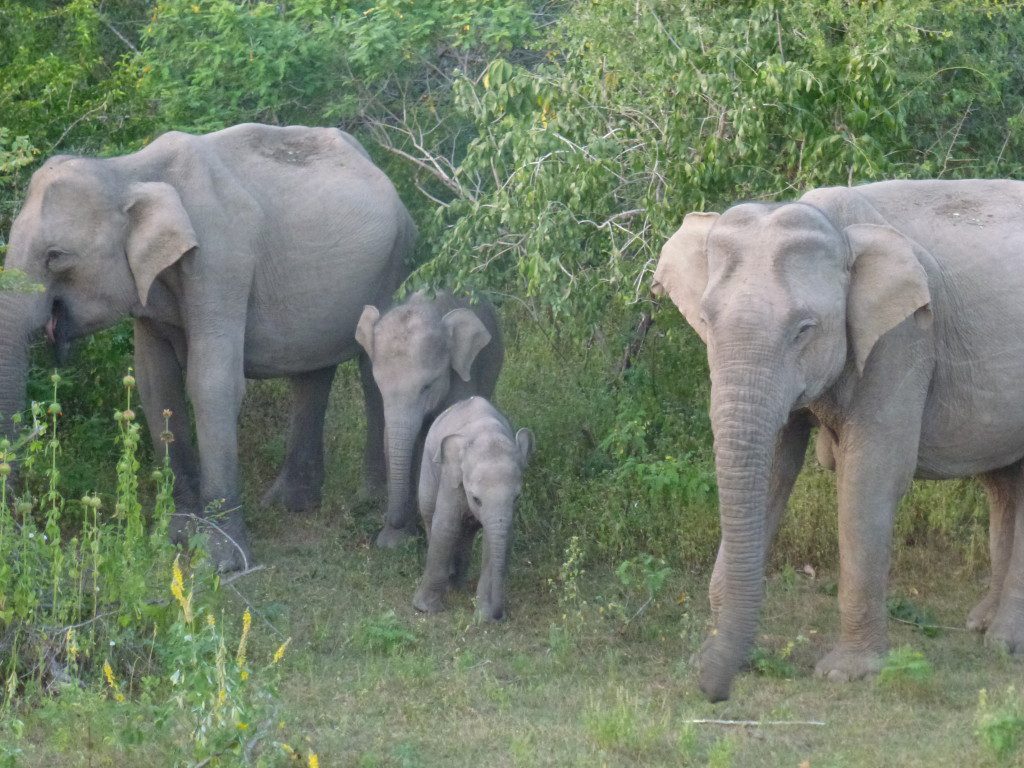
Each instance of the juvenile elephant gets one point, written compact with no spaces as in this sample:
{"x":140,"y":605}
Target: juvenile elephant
{"x":892,"y":314}
{"x":471,"y":476}
{"x":426,"y":353}
{"x":246,"y":252}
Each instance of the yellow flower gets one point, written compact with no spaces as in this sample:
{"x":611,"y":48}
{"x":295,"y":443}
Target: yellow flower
{"x":108,"y":673}
{"x":72,"y":645}
{"x":195,"y":8}
{"x":246,"y":626}
{"x":242,"y":726}
{"x":178,"y":590}
{"x":279,"y":653}
{"x":314,"y":761}
{"x":210,"y":621}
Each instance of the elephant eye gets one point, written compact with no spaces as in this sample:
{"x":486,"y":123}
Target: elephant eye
{"x":476,"y":500}
{"x":804,"y":329}
{"x":54,"y":257}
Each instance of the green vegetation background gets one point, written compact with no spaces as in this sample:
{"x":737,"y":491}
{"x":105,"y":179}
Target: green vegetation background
{"x":547,"y":150}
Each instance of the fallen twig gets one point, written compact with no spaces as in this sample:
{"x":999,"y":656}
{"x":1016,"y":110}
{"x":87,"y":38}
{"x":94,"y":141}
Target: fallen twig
{"x":708,"y":721}
{"x":240,"y":574}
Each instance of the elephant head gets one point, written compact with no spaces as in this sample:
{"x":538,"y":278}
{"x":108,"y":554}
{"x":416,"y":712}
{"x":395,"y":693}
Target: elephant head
{"x":415,"y":351}
{"x":95,"y":244}
{"x":489,"y":470}
{"x":787,"y":304}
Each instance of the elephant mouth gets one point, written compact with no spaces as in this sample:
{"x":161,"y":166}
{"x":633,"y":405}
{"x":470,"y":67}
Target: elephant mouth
{"x":58,"y":331}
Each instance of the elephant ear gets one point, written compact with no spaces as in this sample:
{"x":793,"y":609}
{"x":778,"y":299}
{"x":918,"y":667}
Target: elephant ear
{"x":682,"y":270}
{"x":159,"y":232}
{"x":887,"y":285}
{"x":466,"y":337}
{"x":449,"y":456}
{"x":524,"y":439}
{"x":366,"y":326}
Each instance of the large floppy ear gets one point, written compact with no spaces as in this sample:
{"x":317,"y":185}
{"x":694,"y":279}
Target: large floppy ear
{"x":682,"y":270}
{"x":524,"y":439}
{"x":159,"y":232}
{"x":366,"y":326}
{"x":887,"y":285}
{"x":466,"y":337}
{"x":449,"y":456}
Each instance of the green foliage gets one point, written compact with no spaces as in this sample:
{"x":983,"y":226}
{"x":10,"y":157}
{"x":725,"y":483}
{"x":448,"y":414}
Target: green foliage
{"x":582,"y":165}
{"x":905,"y":610}
{"x":905,"y":667}
{"x":1000,"y":723}
{"x":777,"y":664}
{"x":384,"y":635}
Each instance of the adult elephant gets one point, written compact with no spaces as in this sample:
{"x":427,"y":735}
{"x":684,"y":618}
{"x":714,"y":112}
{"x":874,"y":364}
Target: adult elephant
{"x":249,"y":252}
{"x":891,"y":314}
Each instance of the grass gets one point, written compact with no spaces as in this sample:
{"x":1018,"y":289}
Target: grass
{"x":367,"y":681}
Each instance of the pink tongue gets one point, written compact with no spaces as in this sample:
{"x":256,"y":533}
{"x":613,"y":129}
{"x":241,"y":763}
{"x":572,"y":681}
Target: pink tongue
{"x":51,"y":326}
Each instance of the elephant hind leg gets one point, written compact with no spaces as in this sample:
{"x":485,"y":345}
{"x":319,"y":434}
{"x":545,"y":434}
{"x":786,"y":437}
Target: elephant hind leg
{"x":298,"y":486}
{"x":1006,"y":629}
{"x":1005,"y":490}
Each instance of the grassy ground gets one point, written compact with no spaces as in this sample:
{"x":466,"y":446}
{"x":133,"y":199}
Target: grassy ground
{"x":567,"y":681}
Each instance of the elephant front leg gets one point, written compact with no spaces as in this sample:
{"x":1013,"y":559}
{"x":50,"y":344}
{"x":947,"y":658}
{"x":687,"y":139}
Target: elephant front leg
{"x":162,"y":388}
{"x":299,"y":485}
{"x":1003,"y":488}
{"x":375,"y":473}
{"x":874,"y":468}
{"x":216,"y":385}
{"x":445,"y":530}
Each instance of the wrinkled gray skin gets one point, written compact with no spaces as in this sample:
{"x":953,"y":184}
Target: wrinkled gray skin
{"x":470,"y":478}
{"x":249,"y":252}
{"x":891,"y":314}
{"x":426,"y":353}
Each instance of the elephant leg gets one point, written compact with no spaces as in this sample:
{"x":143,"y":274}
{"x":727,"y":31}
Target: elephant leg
{"x":462,"y":556}
{"x":1007,"y":627}
{"x":790,"y":449}
{"x":874,"y":467}
{"x":298,"y":487}
{"x":375,"y":475}
{"x":444,"y":535}
{"x":216,"y":385}
{"x":1004,"y":491}
{"x":161,"y":388}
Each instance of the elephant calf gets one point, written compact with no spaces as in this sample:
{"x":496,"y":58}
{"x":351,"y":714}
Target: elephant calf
{"x":471,"y":476}
{"x":427,"y":353}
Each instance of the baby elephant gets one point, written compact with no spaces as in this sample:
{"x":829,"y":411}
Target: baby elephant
{"x":471,"y":475}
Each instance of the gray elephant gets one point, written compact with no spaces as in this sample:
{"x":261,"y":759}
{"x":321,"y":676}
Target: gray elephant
{"x":470,"y":478}
{"x":891,"y":314}
{"x":248,"y":252}
{"x":427,"y":353}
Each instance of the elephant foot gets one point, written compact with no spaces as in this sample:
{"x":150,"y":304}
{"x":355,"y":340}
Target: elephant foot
{"x":392,"y":538}
{"x":292,"y":495}
{"x":180,"y":528}
{"x":844,"y":666}
{"x":1006,"y":632}
{"x":426,"y":602}
{"x":491,"y":612}
{"x":981,"y":616}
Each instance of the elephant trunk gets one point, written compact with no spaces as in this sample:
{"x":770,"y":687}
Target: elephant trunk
{"x":498,"y":541}
{"x":747,"y":413}
{"x":400,"y":437}
{"x":19,"y":314}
